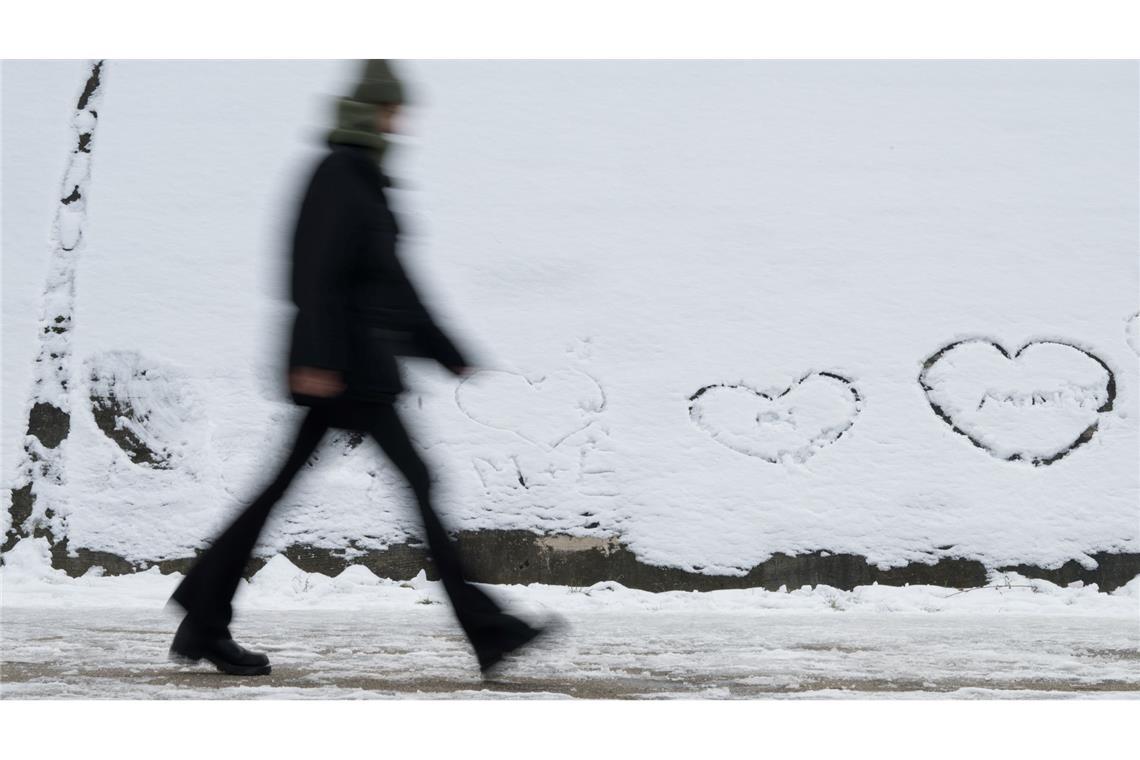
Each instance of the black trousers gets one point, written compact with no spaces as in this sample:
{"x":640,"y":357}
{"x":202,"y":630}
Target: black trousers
{"x":207,"y":592}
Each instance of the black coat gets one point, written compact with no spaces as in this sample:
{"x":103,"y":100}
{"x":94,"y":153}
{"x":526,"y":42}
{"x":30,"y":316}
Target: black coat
{"x":356,"y":308}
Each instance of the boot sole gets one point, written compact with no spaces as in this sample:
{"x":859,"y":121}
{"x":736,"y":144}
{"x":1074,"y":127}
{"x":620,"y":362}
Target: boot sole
{"x":222,"y":666}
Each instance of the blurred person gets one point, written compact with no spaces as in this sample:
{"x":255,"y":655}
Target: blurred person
{"x":356,"y":311}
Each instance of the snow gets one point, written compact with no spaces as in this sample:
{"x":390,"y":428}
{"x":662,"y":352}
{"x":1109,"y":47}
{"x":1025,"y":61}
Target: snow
{"x":608,"y":239}
{"x":28,"y":580}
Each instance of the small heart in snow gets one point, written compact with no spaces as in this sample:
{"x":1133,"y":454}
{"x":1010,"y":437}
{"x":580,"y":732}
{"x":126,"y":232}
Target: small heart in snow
{"x":1036,"y":405}
{"x":1132,"y":332}
{"x":792,"y":424}
{"x":544,"y":410}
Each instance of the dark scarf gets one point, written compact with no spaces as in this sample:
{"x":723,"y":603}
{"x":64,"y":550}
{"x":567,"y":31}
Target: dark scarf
{"x":356,"y":125}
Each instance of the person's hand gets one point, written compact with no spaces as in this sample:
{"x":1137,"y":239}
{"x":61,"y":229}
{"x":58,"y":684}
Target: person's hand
{"x":309,"y":381}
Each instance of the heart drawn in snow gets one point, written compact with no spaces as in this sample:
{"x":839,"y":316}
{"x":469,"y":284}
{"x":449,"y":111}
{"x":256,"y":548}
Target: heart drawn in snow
{"x":545,"y":410}
{"x":793,"y":424}
{"x":1036,"y":405}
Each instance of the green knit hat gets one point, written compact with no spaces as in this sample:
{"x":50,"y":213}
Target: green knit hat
{"x":378,"y":84}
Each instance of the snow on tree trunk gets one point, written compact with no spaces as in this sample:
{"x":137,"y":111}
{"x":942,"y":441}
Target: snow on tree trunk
{"x":42,"y":468}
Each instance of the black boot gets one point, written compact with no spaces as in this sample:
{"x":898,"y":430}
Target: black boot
{"x":191,"y":645}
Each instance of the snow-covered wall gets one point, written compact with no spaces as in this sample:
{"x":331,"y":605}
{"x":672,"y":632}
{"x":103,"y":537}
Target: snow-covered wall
{"x":725,"y":309}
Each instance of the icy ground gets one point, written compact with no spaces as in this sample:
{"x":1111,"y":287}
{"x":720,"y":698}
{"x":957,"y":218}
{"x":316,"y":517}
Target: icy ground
{"x":359,"y":636}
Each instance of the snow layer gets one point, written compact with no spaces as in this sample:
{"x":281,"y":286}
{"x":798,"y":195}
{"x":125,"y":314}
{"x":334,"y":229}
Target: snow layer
{"x":608,"y":239}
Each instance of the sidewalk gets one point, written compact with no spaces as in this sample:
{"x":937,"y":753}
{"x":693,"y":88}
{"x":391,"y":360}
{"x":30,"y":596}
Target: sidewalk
{"x":116,"y":653}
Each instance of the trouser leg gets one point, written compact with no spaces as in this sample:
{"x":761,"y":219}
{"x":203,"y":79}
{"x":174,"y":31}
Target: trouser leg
{"x":487,"y":627}
{"x":208,"y":589}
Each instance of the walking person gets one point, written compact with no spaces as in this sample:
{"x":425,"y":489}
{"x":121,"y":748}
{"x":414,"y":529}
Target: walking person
{"x":356,"y":311}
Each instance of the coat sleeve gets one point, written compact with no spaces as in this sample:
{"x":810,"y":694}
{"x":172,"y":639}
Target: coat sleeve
{"x":321,"y":257}
{"x":427,"y":335}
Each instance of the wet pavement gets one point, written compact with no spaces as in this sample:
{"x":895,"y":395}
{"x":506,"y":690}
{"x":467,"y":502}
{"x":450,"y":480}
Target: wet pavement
{"x":419,"y":652}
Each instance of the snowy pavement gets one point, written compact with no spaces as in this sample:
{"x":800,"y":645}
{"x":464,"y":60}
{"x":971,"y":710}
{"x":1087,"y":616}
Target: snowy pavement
{"x":112,"y":653}
{"x":339,"y":654}
{"x":359,"y":636}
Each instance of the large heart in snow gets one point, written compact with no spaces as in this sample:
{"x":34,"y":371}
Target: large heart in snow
{"x":791,"y":424}
{"x":544,"y":410}
{"x":1036,"y":405}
